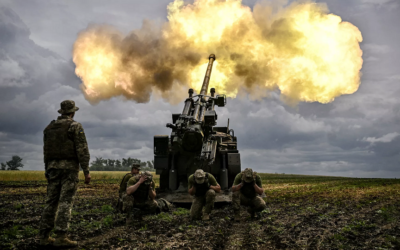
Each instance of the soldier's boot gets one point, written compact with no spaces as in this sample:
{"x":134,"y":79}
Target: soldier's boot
{"x":45,"y":239}
{"x":64,"y":242}
{"x":138,"y":214}
{"x":206,"y":217}
{"x":164,"y":205}
{"x":129,"y":220}
{"x":237,"y":216}
{"x":134,"y":214}
{"x":251,"y":212}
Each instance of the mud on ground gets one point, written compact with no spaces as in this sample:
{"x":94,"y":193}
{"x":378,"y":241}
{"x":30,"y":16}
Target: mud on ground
{"x":322,"y":214}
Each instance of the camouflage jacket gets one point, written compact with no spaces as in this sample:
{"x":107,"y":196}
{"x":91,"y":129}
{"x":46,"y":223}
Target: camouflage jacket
{"x":77,"y":135}
{"x":248,"y":190}
{"x":124,"y":182}
{"x":141,"y":194}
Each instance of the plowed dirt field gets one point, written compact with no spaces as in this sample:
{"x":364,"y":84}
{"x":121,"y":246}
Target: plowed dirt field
{"x":304,"y":212}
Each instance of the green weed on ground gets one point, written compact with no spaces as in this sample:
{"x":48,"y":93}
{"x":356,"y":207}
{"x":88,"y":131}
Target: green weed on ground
{"x":181,"y":211}
{"x":161,"y":216}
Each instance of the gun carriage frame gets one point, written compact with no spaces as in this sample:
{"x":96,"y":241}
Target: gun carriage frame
{"x":195,"y":143}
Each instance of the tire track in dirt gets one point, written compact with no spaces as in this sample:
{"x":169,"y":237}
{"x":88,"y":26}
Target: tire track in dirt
{"x":240,"y":236}
{"x":247,"y":234}
{"x":100,"y":239}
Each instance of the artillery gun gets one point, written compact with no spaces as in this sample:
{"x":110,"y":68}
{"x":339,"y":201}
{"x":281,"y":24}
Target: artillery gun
{"x":196,"y":143}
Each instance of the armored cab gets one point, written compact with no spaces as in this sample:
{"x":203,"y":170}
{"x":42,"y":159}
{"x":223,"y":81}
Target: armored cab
{"x":196,"y":143}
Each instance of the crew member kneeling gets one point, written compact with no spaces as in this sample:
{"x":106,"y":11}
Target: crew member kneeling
{"x":203,"y":186}
{"x":246,"y":189}
{"x":142,"y":189}
{"x":125,"y":201}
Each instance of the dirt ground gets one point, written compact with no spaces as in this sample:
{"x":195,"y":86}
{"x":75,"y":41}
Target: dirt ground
{"x":314,"y":213}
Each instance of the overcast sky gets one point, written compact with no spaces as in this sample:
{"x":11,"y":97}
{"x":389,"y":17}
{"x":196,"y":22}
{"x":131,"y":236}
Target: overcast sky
{"x":356,"y":135}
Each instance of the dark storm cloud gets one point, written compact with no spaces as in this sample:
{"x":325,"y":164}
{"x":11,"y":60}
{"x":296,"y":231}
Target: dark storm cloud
{"x":60,"y":21}
{"x":356,"y":135}
{"x":268,"y":125}
{"x":47,"y":80}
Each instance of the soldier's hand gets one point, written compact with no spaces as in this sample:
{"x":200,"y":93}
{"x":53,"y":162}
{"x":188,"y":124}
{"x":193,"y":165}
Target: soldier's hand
{"x":238,"y":186}
{"x":87,"y":178}
{"x":46,"y":174}
{"x":192,"y":190}
{"x":142,"y":179}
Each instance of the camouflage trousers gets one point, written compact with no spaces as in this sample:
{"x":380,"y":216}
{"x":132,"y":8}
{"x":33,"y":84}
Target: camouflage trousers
{"x":148,"y":207}
{"x":141,"y":208}
{"x":206,"y":201}
{"x":61,"y":189}
{"x":126,"y":202}
{"x":256,"y":204}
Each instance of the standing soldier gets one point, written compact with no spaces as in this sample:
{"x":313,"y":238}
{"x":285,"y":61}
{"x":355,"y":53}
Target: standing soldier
{"x":203,"y":186}
{"x":65,"y":149}
{"x":246,"y":189}
{"x":125,"y":202}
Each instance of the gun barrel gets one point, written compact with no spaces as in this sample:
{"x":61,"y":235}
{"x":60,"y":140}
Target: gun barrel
{"x":204,"y":87}
{"x":206,"y":81}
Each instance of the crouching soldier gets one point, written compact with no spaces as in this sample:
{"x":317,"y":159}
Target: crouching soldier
{"x":246,"y":189}
{"x":125,"y":202}
{"x":142,"y":189}
{"x":203,"y":186}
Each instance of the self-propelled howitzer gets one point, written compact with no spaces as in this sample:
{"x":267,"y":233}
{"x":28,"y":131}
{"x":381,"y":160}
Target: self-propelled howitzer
{"x":196,"y":143}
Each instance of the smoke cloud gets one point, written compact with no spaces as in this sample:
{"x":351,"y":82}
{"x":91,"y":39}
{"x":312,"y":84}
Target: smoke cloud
{"x":301,"y":49}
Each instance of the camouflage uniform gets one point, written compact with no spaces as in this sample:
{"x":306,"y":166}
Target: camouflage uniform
{"x":204,"y":196}
{"x":61,"y":190}
{"x":125,"y":201}
{"x":65,"y":150}
{"x":247,"y":196}
{"x":142,"y":204}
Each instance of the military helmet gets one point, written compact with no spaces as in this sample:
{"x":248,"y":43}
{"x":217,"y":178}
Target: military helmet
{"x":135,"y":165}
{"x":199,"y":176}
{"x":67,"y":107}
{"x":247,"y":175}
{"x":149,"y":177}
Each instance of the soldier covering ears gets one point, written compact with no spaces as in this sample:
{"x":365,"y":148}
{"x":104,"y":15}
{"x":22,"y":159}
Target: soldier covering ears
{"x":246,"y":189}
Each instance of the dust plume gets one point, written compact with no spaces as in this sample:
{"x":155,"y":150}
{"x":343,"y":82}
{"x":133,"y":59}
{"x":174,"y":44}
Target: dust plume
{"x":301,"y":49}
